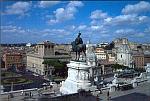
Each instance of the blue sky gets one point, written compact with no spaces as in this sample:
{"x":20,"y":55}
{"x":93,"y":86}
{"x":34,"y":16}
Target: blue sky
{"x":60,"y":21}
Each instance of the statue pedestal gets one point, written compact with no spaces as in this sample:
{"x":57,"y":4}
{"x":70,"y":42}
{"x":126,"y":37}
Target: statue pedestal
{"x":78,"y":78}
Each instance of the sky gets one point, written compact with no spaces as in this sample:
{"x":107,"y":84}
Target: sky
{"x":61,"y":21}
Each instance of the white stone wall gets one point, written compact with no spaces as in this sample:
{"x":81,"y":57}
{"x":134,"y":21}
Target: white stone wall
{"x":101,"y":56}
{"x":124,"y":59}
{"x":78,"y":78}
{"x":35,"y":64}
{"x":124,"y":56}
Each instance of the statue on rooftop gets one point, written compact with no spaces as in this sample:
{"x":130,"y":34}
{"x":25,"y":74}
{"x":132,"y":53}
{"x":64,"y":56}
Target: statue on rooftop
{"x":78,"y":46}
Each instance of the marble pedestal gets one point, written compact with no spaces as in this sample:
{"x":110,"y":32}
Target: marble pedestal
{"x":78,"y":78}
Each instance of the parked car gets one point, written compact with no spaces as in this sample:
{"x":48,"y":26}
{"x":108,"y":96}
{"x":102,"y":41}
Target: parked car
{"x":53,"y":83}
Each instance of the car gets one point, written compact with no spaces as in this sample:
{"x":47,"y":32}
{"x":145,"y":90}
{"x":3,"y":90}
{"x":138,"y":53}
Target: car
{"x":44,"y":84}
{"x":35,"y":74}
{"x":52,"y":83}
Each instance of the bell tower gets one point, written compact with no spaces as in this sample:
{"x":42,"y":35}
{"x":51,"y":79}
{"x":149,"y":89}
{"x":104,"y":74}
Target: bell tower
{"x":46,"y":49}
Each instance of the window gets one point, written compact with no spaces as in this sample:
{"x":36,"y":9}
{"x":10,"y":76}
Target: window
{"x":37,"y":70}
{"x":45,"y":46}
{"x":45,"y":72}
{"x":40,"y":71}
{"x":121,"y":56}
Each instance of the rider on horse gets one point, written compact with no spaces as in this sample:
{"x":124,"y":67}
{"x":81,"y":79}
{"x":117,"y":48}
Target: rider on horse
{"x":78,"y":46}
{"x":78,"y":40}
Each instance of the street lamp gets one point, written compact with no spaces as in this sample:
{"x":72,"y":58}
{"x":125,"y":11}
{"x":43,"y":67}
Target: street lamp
{"x":11,"y":94}
{"x":22,"y":89}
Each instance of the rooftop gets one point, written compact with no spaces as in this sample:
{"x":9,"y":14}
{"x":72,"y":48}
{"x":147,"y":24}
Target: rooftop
{"x":45,"y":42}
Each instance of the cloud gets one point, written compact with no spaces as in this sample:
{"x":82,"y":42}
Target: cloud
{"x":108,"y":19}
{"x":140,"y":7}
{"x":130,"y":33}
{"x":75,"y":4}
{"x":123,"y":19}
{"x":72,"y":27}
{"x":67,"y":13}
{"x":18,"y":8}
{"x":82,"y":27}
{"x":147,"y":30}
{"x":98,"y":17}
{"x":13,"y":34}
{"x":128,"y":20}
{"x":140,"y":35}
{"x":45,"y":4}
{"x":144,"y":19}
{"x":54,"y":32}
{"x":122,"y":25}
{"x":125,"y":31}
{"x":12,"y":29}
{"x":98,"y":14}
{"x":96,"y":28}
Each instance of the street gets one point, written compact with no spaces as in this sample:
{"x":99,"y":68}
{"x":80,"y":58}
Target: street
{"x":140,"y":93}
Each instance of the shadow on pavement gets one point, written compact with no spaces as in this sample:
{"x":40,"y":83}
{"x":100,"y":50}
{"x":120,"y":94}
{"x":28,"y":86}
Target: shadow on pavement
{"x":132,"y":97}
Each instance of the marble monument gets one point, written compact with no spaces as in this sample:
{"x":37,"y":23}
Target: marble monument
{"x":80,"y":74}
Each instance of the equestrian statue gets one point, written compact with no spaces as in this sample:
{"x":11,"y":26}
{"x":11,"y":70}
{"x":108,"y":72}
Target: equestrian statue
{"x":78,"y":46}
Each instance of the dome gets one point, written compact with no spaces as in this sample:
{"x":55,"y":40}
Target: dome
{"x":28,"y":44}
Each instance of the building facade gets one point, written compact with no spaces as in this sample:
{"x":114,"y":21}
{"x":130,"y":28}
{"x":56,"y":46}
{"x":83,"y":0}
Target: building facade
{"x":146,"y":57}
{"x":120,"y":41}
{"x":123,"y":54}
{"x":111,"y":56}
{"x":100,"y":53}
{"x":13,"y":59}
{"x":138,"y":59}
{"x":43,"y":51}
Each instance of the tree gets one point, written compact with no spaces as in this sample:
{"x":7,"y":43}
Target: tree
{"x":117,"y":66}
{"x":140,"y":69}
{"x":59,"y":66}
{"x":55,"y":63}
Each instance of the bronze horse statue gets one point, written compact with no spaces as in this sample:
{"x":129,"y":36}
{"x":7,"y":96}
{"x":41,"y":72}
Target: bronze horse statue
{"x":78,"y":49}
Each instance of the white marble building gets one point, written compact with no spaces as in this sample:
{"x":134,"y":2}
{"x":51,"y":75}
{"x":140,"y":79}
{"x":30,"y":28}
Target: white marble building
{"x":147,"y":67}
{"x":124,"y":56}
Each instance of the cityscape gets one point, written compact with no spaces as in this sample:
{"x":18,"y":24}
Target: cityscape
{"x":75,"y":51}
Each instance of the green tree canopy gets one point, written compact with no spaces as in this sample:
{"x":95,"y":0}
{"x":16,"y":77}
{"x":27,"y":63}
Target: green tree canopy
{"x":140,"y":69}
{"x":56,"y":63}
{"x":117,"y":66}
